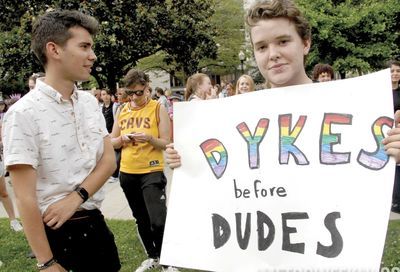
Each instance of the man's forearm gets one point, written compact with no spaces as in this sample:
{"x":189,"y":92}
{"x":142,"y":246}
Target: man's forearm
{"x":24,"y":182}
{"x":103,"y":170}
{"x":34,"y":228}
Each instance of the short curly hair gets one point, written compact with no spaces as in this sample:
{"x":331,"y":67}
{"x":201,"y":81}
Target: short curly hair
{"x":322,"y":68}
{"x":135,"y":77}
{"x":268,"y":9}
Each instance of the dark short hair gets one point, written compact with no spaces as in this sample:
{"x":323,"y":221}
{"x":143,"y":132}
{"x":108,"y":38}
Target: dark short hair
{"x":322,"y":68}
{"x":393,"y":62}
{"x":135,"y":77}
{"x":108,"y":91}
{"x":159,"y":90}
{"x":53,"y":26}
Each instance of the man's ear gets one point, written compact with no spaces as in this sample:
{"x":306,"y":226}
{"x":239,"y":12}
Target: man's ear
{"x":307,"y":46}
{"x":52,"y":50}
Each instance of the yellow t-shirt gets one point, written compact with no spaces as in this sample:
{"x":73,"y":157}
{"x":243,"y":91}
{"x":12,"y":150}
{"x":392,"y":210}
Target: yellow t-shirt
{"x":140,"y":158}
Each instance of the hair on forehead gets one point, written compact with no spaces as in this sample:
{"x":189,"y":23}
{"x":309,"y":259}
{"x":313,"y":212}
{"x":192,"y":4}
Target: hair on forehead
{"x":135,"y":77}
{"x":269,"y":9}
{"x":54,"y":26}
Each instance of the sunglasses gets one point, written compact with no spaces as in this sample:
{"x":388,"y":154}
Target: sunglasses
{"x":136,"y":92}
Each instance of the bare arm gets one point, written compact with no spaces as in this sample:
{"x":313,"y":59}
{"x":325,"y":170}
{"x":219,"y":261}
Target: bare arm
{"x":104,"y":169}
{"x":116,"y":138}
{"x":59,"y":212}
{"x":163,"y":130}
{"x":24,"y":182}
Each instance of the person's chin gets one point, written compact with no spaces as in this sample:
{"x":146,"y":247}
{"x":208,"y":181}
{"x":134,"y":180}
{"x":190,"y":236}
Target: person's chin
{"x":278,"y":80}
{"x":84,"y":78}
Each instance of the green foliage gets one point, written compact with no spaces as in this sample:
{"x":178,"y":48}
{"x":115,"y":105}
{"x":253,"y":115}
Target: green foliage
{"x":353,"y":35}
{"x":229,"y":22}
{"x":17,"y":62}
{"x":221,"y":23}
{"x":190,"y":36}
{"x":130,"y":30}
{"x":183,"y":36}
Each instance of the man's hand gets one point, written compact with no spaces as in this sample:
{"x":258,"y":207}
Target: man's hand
{"x":59,"y":212}
{"x":392,"y":140}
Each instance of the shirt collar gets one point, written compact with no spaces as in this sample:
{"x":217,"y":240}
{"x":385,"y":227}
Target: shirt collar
{"x":51,"y":92}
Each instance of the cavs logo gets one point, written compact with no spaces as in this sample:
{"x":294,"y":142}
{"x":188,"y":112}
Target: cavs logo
{"x":154,"y":163}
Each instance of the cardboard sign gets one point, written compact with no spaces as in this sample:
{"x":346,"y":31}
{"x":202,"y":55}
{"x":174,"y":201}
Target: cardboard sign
{"x":283,"y":179}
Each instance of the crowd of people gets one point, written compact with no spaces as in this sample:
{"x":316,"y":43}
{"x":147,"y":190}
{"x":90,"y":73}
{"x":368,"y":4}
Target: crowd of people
{"x":71,"y":142}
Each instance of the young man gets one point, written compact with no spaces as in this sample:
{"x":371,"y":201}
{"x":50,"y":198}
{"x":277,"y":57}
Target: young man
{"x":58,"y":152}
{"x":281,"y":39}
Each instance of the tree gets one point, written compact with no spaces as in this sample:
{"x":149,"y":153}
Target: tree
{"x":17,"y":62}
{"x":352,"y":35}
{"x":130,"y":30}
{"x":230,"y":37}
{"x":190,"y":36}
{"x":225,"y":27}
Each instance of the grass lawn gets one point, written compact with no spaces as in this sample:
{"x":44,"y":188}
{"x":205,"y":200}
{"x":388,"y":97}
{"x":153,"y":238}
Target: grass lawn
{"x":13,"y":247}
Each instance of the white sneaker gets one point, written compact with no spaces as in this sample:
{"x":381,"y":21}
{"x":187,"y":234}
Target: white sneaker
{"x":169,"y":269}
{"x":15,"y":225}
{"x":148,"y":264}
{"x":1,"y":263}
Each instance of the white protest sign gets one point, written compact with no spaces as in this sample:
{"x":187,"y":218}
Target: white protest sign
{"x":280,"y":179}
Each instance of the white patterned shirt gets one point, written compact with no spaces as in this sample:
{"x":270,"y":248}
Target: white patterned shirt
{"x":63,"y":141}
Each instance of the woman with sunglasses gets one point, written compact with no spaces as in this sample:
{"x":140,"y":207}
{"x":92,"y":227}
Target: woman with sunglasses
{"x":142,"y":131}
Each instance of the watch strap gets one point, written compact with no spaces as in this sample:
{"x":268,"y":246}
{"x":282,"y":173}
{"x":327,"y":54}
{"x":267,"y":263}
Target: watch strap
{"x":82,"y":193}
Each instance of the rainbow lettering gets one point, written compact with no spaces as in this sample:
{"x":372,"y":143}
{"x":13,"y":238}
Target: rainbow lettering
{"x":253,"y":141}
{"x":287,"y":137}
{"x":211,"y":148}
{"x":378,"y":159}
{"x":328,"y":140}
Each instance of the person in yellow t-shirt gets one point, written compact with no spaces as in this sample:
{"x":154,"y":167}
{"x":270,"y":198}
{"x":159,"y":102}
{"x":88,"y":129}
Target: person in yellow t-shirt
{"x":142,"y":130}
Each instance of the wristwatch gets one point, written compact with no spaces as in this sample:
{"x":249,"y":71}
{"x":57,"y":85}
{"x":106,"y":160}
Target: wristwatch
{"x":82,"y":193}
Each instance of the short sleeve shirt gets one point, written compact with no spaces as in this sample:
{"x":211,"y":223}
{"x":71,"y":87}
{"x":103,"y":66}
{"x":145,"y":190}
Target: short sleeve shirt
{"x":61,"y":139}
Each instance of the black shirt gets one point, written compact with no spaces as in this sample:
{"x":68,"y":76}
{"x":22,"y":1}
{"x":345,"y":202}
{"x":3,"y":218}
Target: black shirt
{"x":396,"y":99}
{"x":108,"y":115}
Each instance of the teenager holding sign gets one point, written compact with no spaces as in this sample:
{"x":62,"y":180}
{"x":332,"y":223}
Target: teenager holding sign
{"x":281,"y":39}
